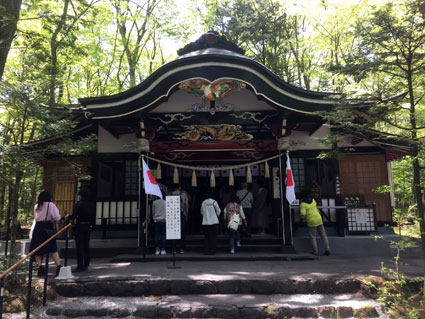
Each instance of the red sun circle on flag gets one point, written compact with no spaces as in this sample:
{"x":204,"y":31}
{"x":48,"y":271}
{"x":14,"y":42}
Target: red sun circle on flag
{"x":151,"y":178}
{"x":289,"y":178}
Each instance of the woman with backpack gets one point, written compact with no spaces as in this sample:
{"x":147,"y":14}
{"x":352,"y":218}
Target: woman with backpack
{"x":233,"y":216}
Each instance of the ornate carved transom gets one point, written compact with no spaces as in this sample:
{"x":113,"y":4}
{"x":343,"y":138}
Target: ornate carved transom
{"x":223,"y":132}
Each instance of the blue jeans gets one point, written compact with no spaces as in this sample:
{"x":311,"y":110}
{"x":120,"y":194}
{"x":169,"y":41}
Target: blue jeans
{"x":234,"y":235}
{"x":159,"y":228}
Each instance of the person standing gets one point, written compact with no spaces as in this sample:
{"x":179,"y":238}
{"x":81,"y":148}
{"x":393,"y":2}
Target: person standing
{"x":246,"y":199}
{"x":310,"y":214}
{"x":210,"y":212}
{"x":159,"y":215}
{"x":234,"y":208}
{"x":85,"y":218}
{"x":260,"y":213}
{"x":184,"y":208}
{"x":46,"y":214}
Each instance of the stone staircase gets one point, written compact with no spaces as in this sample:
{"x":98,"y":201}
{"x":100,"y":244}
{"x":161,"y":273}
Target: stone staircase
{"x":265,"y":244}
{"x":130,"y":297}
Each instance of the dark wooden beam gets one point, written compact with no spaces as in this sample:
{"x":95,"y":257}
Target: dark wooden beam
{"x":224,"y":146}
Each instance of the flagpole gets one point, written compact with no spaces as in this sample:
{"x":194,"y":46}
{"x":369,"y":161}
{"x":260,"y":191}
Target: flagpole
{"x":290,"y":238}
{"x":139,"y":203}
{"x":281,"y":200}
{"x":147,"y":224}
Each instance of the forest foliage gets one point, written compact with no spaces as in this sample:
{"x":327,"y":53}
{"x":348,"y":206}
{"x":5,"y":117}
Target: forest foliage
{"x":65,"y":49}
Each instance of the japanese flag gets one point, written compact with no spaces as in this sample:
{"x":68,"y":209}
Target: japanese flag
{"x":151,"y":186}
{"x":290,"y":186}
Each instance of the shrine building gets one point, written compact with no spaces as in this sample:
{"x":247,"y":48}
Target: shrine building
{"x":213,"y":107}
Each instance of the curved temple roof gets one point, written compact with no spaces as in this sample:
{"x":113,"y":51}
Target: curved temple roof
{"x":210,"y":64}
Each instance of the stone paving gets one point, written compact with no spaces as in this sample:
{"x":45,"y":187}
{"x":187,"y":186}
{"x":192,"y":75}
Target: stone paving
{"x":226,"y":289}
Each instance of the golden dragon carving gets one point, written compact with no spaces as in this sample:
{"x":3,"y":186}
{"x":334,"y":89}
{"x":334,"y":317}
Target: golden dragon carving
{"x":223,"y":132}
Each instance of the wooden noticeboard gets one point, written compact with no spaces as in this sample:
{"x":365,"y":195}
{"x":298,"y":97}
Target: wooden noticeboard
{"x":173,"y":215}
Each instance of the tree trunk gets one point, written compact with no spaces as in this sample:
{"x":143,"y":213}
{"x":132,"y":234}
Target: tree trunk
{"x":416,"y":165}
{"x":2,"y":201}
{"x":14,"y":197}
{"x":8,"y":29}
{"x":54,"y":54}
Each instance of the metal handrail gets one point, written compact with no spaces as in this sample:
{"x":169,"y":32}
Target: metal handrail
{"x":34,"y":251}
{"x":11,"y":268}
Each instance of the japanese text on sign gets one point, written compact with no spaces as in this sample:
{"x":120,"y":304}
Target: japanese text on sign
{"x":173,"y":217}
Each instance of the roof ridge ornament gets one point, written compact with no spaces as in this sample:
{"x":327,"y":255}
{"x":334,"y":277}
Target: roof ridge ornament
{"x":211,"y":39}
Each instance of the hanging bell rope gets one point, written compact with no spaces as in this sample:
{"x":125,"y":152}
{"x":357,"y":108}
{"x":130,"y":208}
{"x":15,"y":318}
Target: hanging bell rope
{"x":158,"y":172}
{"x":194,"y":181}
{"x":212,"y":179}
{"x":176,"y":176}
{"x":248,"y":175}
{"x":266,"y":170}
{"x":231,"y":178}
{"x":210,"y":169}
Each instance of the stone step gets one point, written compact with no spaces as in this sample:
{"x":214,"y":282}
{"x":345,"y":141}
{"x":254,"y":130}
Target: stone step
{"x":198,"y":248}
{"x":217,"y":306}
{"x":125,"y":286}
{"x":219,"y":256}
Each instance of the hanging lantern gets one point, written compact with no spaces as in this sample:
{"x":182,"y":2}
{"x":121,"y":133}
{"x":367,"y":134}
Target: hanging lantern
{"x":158,"y":172}
{"x":248,"y":175}
{"x":231,"y":178}
{"x":194,"y":181}
{"x":266,"y":170}
{"x":212,"y":179}
{"x":176,"y":176}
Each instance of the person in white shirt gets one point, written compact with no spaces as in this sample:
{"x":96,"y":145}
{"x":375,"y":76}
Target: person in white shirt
{"x":247,"y":200}
{"x":210,"y":212}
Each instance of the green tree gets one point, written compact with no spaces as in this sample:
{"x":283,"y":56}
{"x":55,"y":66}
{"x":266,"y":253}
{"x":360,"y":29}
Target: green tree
{"x":9,"y":14}
{"x":65,"y":50}
{"x":269,"y":33}
{"x":387,"y":68}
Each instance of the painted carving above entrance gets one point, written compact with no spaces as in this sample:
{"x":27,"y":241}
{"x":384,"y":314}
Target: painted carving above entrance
{"x":223,"y":132}
{"x":218,"y":107}
{"x":217,"y":90}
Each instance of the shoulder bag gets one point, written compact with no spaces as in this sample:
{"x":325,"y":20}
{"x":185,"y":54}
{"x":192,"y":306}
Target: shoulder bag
{"x":48,"y":231}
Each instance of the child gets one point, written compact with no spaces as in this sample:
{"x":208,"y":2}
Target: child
{"x":309,"y":213}
{"x":232,"y":208}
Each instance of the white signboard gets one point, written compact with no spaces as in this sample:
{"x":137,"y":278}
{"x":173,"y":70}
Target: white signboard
{"x":173,"y":217}
{"x":361,"y":216}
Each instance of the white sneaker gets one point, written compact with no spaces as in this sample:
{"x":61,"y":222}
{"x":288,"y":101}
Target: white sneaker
{"x":232,"y":251}
{"x":157,"y":251}
{"x":163,"y":252}
{"x":238,"y":244}
{"x":182,"y":251}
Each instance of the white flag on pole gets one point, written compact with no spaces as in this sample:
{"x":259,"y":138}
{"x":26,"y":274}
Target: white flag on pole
{"x":151,"y":186}
{"x":290,"y":186}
